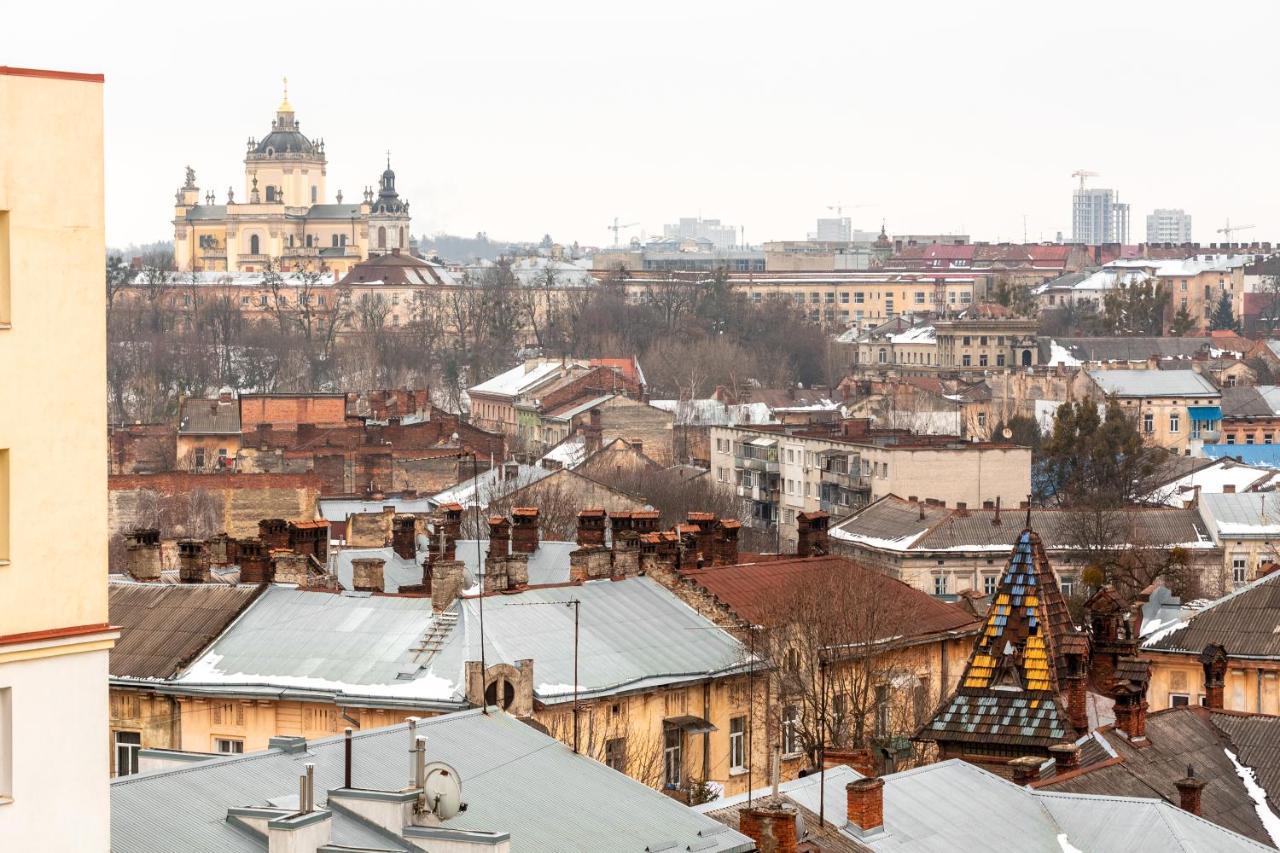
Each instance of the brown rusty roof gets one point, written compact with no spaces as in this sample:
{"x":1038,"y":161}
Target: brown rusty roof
{"x":164,"y":626}
{"x":1245,"y":622}
{"x":750,"y":589}
{"x":1176,"y":738}
{"x":209,"y":417}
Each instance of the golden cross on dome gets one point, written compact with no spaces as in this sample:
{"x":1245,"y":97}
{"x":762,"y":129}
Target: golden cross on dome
{"x":284,"y":103}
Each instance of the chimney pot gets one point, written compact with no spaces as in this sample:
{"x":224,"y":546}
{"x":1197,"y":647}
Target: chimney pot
{"x":1189,"y":791}
{"x":1066,"y":756}
{"x":771,"y":825}
{"x":1026,"y":769}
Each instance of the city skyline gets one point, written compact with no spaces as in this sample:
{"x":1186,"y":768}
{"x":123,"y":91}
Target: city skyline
{"x":496,"y":127}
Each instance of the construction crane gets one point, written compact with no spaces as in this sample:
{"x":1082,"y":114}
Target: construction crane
{"x":1231,"y":229}
{"x":1082,"y":174}
{"x":616,"y":228}
{"x":839,"y":207}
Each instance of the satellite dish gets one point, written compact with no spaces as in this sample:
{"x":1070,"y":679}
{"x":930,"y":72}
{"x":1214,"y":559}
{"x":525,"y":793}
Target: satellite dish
{"x":443,"y":790}
{"x":1007,"y":433}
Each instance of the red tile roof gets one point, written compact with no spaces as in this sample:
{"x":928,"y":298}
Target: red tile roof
{"x":751,"y":589}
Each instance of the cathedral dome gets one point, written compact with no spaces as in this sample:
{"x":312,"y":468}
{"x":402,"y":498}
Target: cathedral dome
{"x":283,"y":140}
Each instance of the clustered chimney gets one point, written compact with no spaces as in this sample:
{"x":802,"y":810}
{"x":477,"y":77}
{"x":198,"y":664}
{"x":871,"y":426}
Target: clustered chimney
{"x":865,"y":805}
{"x":404,"y":540}
{"x":591,"y":524}
{"x":1189,"y":791}
{"x":771,"y":825}
{"x":446,"y":583}
{"x":142,"y":554}
{"x":254,"y":560}
{"x":193,"y":561}
{"x":274,"y":532}
{"x":504,"y":570}
{"x":524,"y":529}
{"x":812,"y":540}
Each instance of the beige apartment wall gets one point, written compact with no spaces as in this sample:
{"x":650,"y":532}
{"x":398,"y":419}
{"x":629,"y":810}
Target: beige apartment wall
{"x":1251,"y":686}
{"x":963,"y":475}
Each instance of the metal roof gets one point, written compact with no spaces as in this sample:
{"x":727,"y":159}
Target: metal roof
{"x":1131,"y":348}
{"x":954,"y":805}
{"x":749,"y":591}
{"x":337,"y":509}
{"x":633,"y":634}
{"x":1245,"y":622}
{"x":163,"y":626}
{"x":334,"y":211}
{"x":514,"y":779}
{"x":1154,"y":383}
{"x":548,"y":564}
{"x":491,"y":485}
{"x":1247,"y":514}
{"x":1256,"y":738}
{"x":209,"y":417}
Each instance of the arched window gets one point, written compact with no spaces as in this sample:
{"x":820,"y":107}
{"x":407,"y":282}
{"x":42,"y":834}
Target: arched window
{"x":290,"y":241}
{"x":382,"y":237}
{"x":500,"y":692}
{"x":1026,"y":358}
{"x":253,"y":245}
{"x":342,"y":241}
{"x":335,"y":241}
{"x":309,"y":241}
{"x":313,"y":195}
{"x":271,"y":194}
{"x":884,"y":355}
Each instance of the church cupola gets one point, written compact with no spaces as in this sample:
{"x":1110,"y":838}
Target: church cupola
{"x":389,"y":203}
{"x":285,"y":139}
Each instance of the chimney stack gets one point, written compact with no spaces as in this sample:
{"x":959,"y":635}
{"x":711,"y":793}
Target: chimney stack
{"x":812,"y":538}
{"x":524,"y":529}
{"x":274,"y":533}
{"x":1066,"y":757}
{"x":254,"y":561}
{"x":727,"y":541}
{"x":367,"y":574}
{"x":1214,"y":661}
{"x":142,"y":554}
{"x":865,"y":805}
{"x":499,"y":536}
{"x":193,"y":563}
{"x":706,"y":535}
{"x":403,"y":537}
{"x":1189,"y":791}
{"x":1026,"y":769}
{"x":591,"y":524}
{"x":771,"y":825}
{"x":446,"y":583}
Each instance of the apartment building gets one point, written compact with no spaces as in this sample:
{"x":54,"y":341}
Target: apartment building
{"x":1174,"y":409}
{"x":1097,"y":217}
{"x":1168,"y":225}
{"x":54,"y":632}
{"x":785,"y":471}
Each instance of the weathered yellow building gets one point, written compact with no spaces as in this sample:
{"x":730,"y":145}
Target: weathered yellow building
{"x":54,"y":636}
{"x":285,"y":215}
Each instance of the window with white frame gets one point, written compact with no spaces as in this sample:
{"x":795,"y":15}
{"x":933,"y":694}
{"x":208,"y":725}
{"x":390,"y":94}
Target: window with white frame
{"x":1148,"y":422}
{"x":1239,"y":569}
{"x":939,"y":584}
{"x":128,"y":745}
{"x":1175,"y":421}
{"x":989,"y":584}
{"x":790,"y":730}
{"x":228,"y":746}
{"x":738,"y":743}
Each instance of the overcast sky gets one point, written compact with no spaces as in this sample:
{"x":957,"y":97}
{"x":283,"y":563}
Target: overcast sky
{"x":525,"y":118}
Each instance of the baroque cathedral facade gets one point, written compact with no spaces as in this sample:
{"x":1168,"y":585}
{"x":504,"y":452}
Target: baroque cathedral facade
{"x":284,"y":216}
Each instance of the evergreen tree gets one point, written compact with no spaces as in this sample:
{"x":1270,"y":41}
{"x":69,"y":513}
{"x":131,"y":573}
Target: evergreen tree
{"x":1182,"y":322}
{"x":1223,"y":318}
{"x":1092,"y":461}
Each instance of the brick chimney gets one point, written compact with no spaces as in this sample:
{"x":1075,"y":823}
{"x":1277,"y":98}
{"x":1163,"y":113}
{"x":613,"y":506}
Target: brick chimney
{"x":193,"y":562}
{"x":706,"y":535}
{"x":771,"y":825}
{"x":403,"y":537}
{"x":1189,"y":791}
{"x":142,"y":554}
{"x":1066,"y":757}
{"x":727,"y":541}
{"x":499,"y":536}
{"x":1026,"y":769}
{"x":1214,"y":661}
{"x":593,"y":432}
{"x":1131,"y":713}
{"x":524,"y":529}
{"x":254,"y":561}
{"x":274,"y":532}
{"x":591,"y":524}
{"x":865,"y":805}
{"x":446,"y":583}
{"x":812,"y":538}
{"x":367,"y":574}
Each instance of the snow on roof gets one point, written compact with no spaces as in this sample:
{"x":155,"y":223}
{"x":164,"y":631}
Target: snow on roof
{"x":711,"y":412}
{"x":519,"y":380}
{"x":1059,"y":354}
{"x":918,"y":335}
{"x":570,"y":453}
{"x":1182,"y":266}
{"x":1155,"y":383}
{"x":1213,"y":480}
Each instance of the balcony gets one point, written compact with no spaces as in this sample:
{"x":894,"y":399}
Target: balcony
{"x":754,"y":464}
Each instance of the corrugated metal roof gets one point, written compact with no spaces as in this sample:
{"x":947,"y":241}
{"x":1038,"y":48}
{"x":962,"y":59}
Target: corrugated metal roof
{"x":491,"y":485}
{"x":1256,"y":738}
{"x":337,"y":509}
{"x":548,"y":564}
{"x":162,"y":626}
{"x":1154,"y":383}
{"x":1179,"y":737}
{"x":750,"y":590}
{"x":1130,"y":348}
{"x":956,"y":806}
{"x":209,"y":417}
{"x":514,"y":779}
{"x":1245,"y":622}
{"x":894,"y":524}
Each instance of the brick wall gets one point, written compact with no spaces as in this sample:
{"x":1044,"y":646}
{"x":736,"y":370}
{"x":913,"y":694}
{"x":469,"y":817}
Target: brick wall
{"x":182,"y":504}
{"x":629,"y":419}
{"x":287,"y":411}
